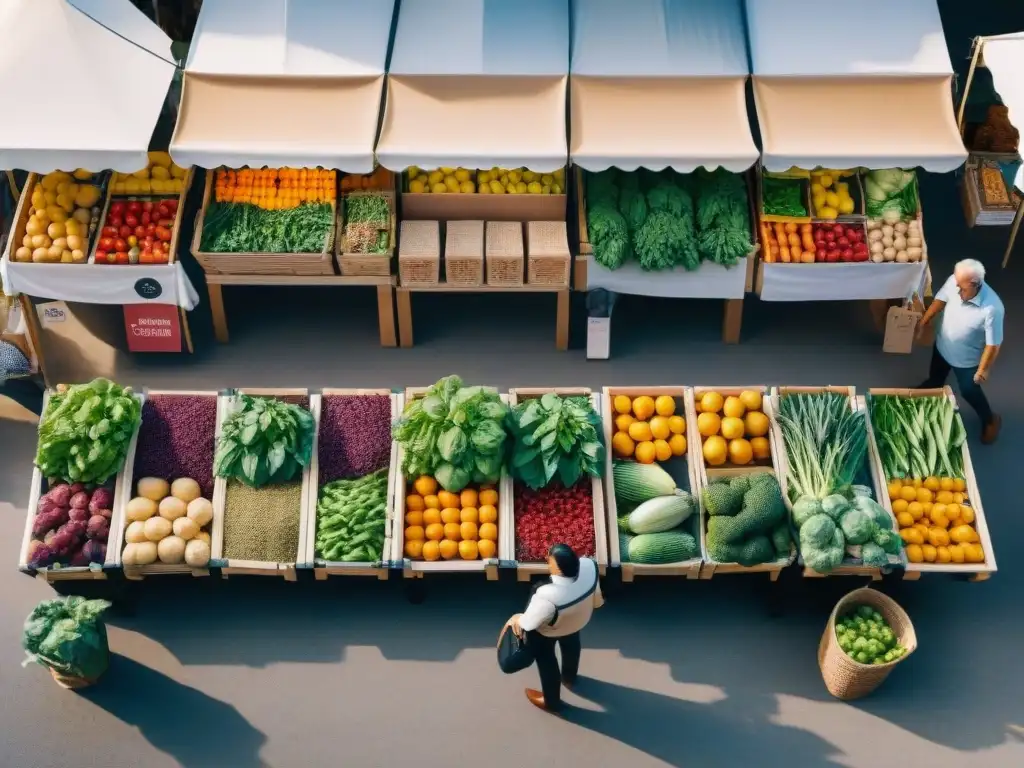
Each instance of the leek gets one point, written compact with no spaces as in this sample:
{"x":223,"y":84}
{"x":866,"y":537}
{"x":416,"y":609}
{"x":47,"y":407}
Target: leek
{"x":918,"y":436}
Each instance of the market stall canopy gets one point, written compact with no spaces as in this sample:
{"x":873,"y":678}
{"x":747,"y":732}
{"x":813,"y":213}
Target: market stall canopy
{"x":83,"y":83}
{"x":1003,"y":56}
{"x":842,"y":88}
{"x":476,"y":85}
{"x":284,"y":83}
{"x":659,"y":83}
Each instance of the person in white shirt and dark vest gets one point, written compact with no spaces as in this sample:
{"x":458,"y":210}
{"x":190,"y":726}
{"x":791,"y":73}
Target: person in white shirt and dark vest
{"x":968,"y":338}
{"x":557,"y":612}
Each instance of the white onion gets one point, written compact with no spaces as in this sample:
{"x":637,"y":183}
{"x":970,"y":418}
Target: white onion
{"x":900,"y":226}
{"x":889,"y":254}
{"x":899,"y":243}
{"x":887,"y":241}
{"x":877,"y":247}
{"x":874,"y":235}
{"x":901,"y":257}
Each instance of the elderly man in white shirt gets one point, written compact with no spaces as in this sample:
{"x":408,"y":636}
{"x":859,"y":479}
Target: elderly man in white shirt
{"x":968,"y":338}
{"x":556,"y":614}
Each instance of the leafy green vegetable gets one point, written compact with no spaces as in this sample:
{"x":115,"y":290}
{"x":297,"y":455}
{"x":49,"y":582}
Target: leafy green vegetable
{"x":609,"y":235}
{"x":368,"y":208}
{"x":782,"y":197}
{"x":67,"y":634}
{"x":85,"y":431}
{"x":244,"y":228}
{"x":918,"y":436}
{"x":555,"y":436}
{"x":603,"y":188}
{"x":264,"y":441}
{"x":723,"y":218}
{"x":632,"y":203}
{"x":454,"y":433}
{"x":665,"y":241}
{"x":890,"y":190}
{"x":351,"y":518}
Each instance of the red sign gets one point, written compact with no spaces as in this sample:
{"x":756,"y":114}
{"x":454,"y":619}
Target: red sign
{"x":152,"y":327}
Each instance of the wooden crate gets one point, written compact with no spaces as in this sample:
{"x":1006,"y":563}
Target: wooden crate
{"x":419,"y":253}
{"x":352,"y":264}
{"x":847,"y":568}
{"x":119,"y":522}
{"x":706,"y":475}
{"x":677,"y":467}
{"x":93,"y":571}
{"x":504,"y":254}
{"x":416,"y":569}
{"x":974,"y":571}
{"x":258,"y":567}
{"x":464,"y":253}
{"x":321,"y":263}
{"x":324,"y":568}
{"x":524,"y":571}
{"x":110,"y":197}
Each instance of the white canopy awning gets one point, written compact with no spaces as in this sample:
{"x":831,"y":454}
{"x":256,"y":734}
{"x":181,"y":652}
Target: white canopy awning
{"x":278,"y":83}
{"x":839,"y":89}
{"x":477,"y":84}
{"x":77,"y":95}
{"x":659,"y":83}
{"x":1003,"y":56}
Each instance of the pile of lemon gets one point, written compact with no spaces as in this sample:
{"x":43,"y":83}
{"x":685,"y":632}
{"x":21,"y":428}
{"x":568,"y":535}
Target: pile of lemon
{"x":734,"y":428}
{"x":496,"y":181}
{"x":830,"y":196}
{"x":935,"y":520}
{"x":450,"y":526}
{"x":648,"y":429}
{"x":161,"y":176}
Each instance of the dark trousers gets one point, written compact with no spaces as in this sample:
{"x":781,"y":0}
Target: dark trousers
{"x":938,"y":372}
{"x":547,"y":664}
{"x":27,"y":393}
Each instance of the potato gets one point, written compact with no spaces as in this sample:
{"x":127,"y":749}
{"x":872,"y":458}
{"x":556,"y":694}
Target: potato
{"x":171,"y":550}
{"x":153,"y":488}
{"x":185,"y":528}
{"x":142,"y":553}
{"x":197,"y":553}
{"x":186,"y":489}
{"x":203,"y":536}
{"x":135,"y":532}
{"x":172,"y":508}
{"x":158,"y":528}
{"x":140,"y":508}
{"x":201,"y":511}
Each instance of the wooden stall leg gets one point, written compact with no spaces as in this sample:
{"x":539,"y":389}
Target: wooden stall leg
{"x":562,"y":321}
{"x":386,"y":315}
{"x":186,"y":330}
{"x":404,"y":317}
{"x":220,"y":320}
{"x":732,"y":324}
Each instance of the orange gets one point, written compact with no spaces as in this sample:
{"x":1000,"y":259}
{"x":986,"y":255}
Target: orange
{"x":915,"y":554}
{"x":760,"y":447}
{"x":468,"y":498}
{"x":622,"y":422}
{"x":451,"y":515}
{"x":448,"y":499}
{"x":953,"y":511}
{"x":640,"y":431}
{"x":435,"y":532}
{"x":740,"y":452}
{"x":923,"y":495}
{"x":488,"y":496}
{"x":715,"y":450}
{"x":622,"y":404}
{"x":453,"y":531}
{"x":732,"y":427}
{"x":946,"y":483}
{"x":468,"y":550}
{"x":756,"y":424}
{"x":487,"y":548}
{"x":425,"y":485}
{"x":904,"y":520}
{"x":931,"y":483}
{"x":449,"y":548}
{"x":623,"y":445}
{"x":938,"y":537}
{"x":643,"y":407}
{"x":894,"y":489}
{"x":967,"y":514}
{"x":944,"y":497}
{"x":660,"y":428}
{"x":662,"y":450}
{"x":414,"y":518}
{"x":942,"y":555}
{"x":956,"y":553}
{"x":751,"y":399}
{"x":677,"y":424}
{"x":677,"y":444}
{"x":469,"y":532}
{"x":711,"y":402}
{"x":958,"y":498}
{"x":930,"y":553}
{"x":734,"y":407}
{"x":431,"y":550}
{"x":908,"y":492}
{"x":915,"y":509}
{"x":646,"y":453}
{"x":414,"y":532}
{"x":431,"y":502}
{"x":469,"y":515}
{"x":489,"y":532}
{"x":488,"y":514}
{"x":431,"y":516}
{"x":413,"y":549}
{"x":414,"y":502}
{"x":665,"y":405}
{"x":959,"y":485}
{"x":708,"y":424}
{"x":911,"y":536}
{"x":973,"y":553}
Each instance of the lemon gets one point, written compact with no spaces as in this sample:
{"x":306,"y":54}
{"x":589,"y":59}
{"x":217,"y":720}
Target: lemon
{"x":416,"y":187}
{"x":413,"y":171}
{"x":483,"y":177}
{"x":436,"y":177}
{"x":462,"y":175}
{"x":817,"y":189}
{"x":827,"y":213}
{"x":447,"y":171}
{"x":556,"y":189}
{"x":423,"y":179}
{"x":545,"y":190}
{"x":503,"y":178}
{"x":529,"y":176}
{"x":515,"y":177}
{"x":511,"y":189}
{"x":452,"y":183}
{"x":521,"y":187}
{"x":846,"y":206}
{"x":826,"y":181}
{"x":467,"y":187}
{"x":438,"y":188}
{"x":534,"y":188}
{"x":559,"y":174}
{"x":484,"y":188}
{"x":547,"y":180}
{"x":832,"y":200}
{"x":497,"y":188}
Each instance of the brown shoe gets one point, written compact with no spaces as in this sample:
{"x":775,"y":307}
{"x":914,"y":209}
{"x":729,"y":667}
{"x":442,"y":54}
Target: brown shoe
{"x":990,"y":432}
{"x":537,"y":699}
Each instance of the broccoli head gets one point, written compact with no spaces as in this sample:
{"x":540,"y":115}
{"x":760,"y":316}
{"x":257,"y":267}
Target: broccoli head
{"x":823,"y":559}
{"x":753,"y":551}
{"x":720,"y":498}
{"x":873,"y":555}
{"x":888,"y":540}
{"x":858,"y":527}
{"x":781,"y":539}
{"x":804,"y":509}
{"x":764,"y":502}
{"x":835,"y":506}
{"x":817,"y":532}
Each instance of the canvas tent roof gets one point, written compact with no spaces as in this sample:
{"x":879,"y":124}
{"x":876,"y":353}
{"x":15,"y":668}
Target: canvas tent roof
{"x":871,"y":88}
{"x":660,"y":83}
{"x":1003,"y":56}
{"x":58,"y":98}
{"x":284,"y":83}
{"x":481,"y":85}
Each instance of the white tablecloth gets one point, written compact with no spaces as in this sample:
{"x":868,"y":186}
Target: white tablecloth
{"x":840,"y":282}
{"x":711,"y":281}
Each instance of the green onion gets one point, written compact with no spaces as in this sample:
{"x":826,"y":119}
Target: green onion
{"x":918,"y":436}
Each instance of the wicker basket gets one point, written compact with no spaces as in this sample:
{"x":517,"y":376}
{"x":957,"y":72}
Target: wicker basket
{"x":845,"y":678}
{"x":464,"y":253}
{"x":505,"y":262}
{"x":419,"y":253}
{"x":547,"y":253}
{"x":70,"y":682}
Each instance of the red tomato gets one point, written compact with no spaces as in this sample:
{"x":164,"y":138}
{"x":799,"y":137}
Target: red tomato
{"x":140,"y":232}
{"x":124,"y":231}
{"x":147,"y":242}
{"x":172,"y":204}
{"x":145,"y":258}
{"x":163,"y":233}
{"x":106,"y":243}
{"x":163,"y":210}
{"x":166,"y":222}
{"x":101,"y":256}
{"x":145,"y":218}
{"x":111,"y":258}
{"x":147,"y":206}
{"x":122,"y":258}
{"x":131,"y":220}
{"x":120,"y":245}
{"x":134,"y":207}
{"x":114,"y":221}
{"x":117,"y":209}
{"x":109,"y":232}
{"x":151,"y":230}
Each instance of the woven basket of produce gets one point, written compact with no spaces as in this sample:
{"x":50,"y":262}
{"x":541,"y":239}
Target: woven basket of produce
{"x":866,"y":636}
{"x":71,"y":682}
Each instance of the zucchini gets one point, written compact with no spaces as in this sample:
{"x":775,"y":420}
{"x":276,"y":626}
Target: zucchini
{"x":661,"y":514}
{"x":664,"y":547}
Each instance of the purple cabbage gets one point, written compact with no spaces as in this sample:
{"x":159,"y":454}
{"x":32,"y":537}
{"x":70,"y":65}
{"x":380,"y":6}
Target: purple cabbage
{"x":95,"y":551}
{"x":102,"y":498}
{"x":355,"y":436}
{"x":176,"y":439}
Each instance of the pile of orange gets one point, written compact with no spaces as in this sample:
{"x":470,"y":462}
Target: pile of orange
{"x":275,"y":189}
{"x":440,"y":525}
{"x":936,"y":521}
{"x":734,"y":429}
{"x":648,"y":429}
